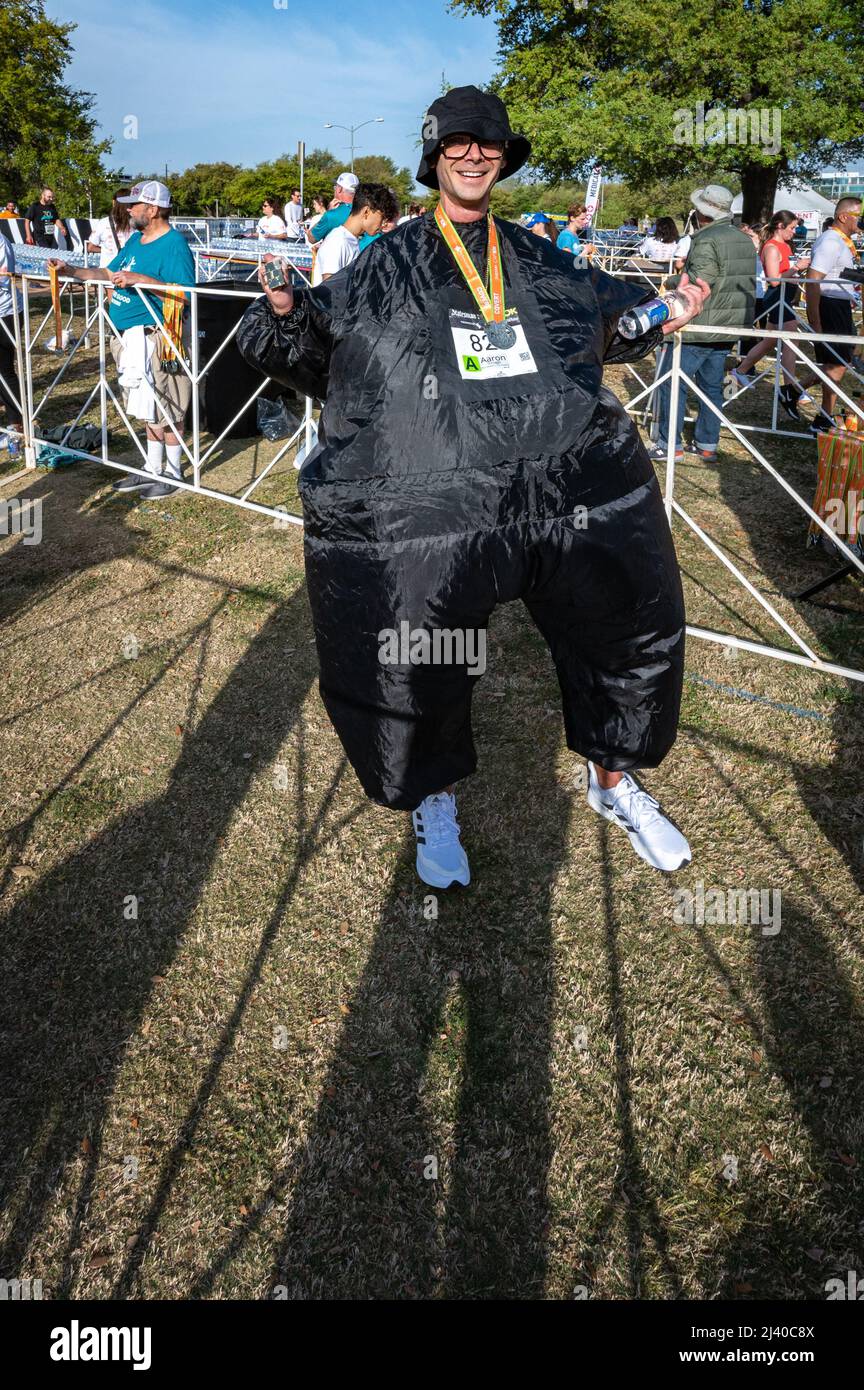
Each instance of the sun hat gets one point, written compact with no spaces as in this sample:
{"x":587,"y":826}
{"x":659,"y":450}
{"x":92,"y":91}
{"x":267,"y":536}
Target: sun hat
{"x":481,"y":114}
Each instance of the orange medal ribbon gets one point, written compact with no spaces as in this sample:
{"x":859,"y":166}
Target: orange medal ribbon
{"x":849,"y":242}
{"x":491,"y":304}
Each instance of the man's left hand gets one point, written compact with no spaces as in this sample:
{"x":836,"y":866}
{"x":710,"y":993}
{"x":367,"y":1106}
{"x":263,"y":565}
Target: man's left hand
{"x":124,"y":278}
{"x":696,"y":295}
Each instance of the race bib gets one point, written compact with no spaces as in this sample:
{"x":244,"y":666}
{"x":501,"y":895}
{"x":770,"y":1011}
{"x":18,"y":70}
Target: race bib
{"x":478,"y":359}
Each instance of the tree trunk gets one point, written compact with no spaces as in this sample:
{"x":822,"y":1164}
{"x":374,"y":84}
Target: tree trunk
{"x":759,"y":187}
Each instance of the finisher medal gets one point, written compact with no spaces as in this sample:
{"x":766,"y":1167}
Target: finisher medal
{"x":491,"y":303}
{"x":500,"y":335}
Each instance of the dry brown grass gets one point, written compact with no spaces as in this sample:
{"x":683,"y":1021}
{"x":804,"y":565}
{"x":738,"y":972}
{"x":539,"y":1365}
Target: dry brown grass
{"x":239,"y":1090}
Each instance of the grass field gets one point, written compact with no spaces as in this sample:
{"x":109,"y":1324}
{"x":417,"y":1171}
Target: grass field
{"x":242,"y":1058}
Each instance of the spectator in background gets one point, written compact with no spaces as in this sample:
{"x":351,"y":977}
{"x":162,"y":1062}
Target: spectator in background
{"x":294,"y":216}
{"x":571,"y":239}
{"x":9,"y":385}
{"x":721,"y":255}
{"x":271,"y":225}
{"x":755,"y":236}
{"x":541,"y":225}
{"x":373,"y":204}
{"x":10,"y":210}
{"x":42,"y":221}
{"x":665,"y":247}
{"x":343,"y":195}
{"x":110,"y":234}
{"x":776,"y":257}
{"x":829,"y":307}
{"x":149,"y":368}
{"x":320,"y":205}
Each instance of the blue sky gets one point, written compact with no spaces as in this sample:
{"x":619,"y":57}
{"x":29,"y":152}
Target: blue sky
{"x":245,"y":81}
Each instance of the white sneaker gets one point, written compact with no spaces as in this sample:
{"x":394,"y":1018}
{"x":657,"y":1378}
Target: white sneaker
{"x":744,"y":379}
{"x":655,"y":838}
{"x":441,"y":860}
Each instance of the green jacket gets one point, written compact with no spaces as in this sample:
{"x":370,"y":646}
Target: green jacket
{"x":725,"y":257}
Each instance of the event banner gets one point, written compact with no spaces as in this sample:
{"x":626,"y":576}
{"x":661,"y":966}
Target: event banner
{"x":592,"y":196}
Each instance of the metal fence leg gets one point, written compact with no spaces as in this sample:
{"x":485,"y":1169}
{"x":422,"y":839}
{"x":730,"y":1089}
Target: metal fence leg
{"x":672,"y":442}
{"x":196,"y":400}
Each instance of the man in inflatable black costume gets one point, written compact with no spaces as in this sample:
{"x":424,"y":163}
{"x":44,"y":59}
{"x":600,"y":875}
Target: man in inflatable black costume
{"x":468,"y":455}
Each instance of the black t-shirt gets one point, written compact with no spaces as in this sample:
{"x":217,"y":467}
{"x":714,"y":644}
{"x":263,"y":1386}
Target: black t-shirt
{"x":43,"y":219}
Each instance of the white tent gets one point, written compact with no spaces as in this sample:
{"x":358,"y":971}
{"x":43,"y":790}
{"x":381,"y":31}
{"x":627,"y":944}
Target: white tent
{"x":806,"y":203}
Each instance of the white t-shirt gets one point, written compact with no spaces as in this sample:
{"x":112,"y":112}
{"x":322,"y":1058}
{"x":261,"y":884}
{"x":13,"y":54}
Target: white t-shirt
{"x":664,"y":251}
{"x":831,"y":255}
{"x":338,"y":249}
{"x":294,"y":220}
{"x":270,"y":226}
{"x":102,"y":236}
{"x":7,"y":262}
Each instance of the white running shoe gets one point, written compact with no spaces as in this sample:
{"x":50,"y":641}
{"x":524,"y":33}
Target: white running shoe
{"x":441,"y":860}
{"x":745,"y":379}
{"x":655,"y":838}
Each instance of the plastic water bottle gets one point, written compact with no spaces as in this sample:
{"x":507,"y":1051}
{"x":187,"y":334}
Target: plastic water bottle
{"x":652,"y":314}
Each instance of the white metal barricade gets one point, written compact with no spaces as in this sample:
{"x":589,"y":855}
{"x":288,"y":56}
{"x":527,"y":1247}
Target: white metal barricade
{"x":198,"y":455}
{"x":96,"y":321}
{"x":805,"y":655}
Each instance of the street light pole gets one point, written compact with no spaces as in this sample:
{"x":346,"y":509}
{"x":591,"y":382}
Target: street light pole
{"x":329,"y":125}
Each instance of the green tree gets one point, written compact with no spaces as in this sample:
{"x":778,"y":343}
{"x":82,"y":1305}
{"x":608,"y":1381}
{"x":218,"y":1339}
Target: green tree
{"x":202,"y":188}
{"x":379,"y":168}
{"x":758,"y":90}
{"x":46,"y":129}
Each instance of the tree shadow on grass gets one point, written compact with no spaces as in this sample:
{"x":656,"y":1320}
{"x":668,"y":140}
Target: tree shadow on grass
{"x":386,"y":1200}
{"x":812,"y":1034}
{"x":76,"y":976}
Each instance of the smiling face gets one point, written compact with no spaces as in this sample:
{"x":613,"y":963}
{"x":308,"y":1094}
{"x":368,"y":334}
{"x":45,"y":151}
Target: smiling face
{"x":466,"y":173}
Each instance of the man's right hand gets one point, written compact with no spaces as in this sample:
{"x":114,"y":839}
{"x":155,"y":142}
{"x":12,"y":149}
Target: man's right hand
{"x":281,"y":301}
{"x":60,"y":266}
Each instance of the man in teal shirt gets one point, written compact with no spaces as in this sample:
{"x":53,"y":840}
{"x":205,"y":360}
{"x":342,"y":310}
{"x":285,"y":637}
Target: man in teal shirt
{"x":155,"y":254}
{"x":343,"y":190}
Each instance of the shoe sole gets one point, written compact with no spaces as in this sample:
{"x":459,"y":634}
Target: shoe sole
{"x":441,"y":881}
{"x":603,"y":810}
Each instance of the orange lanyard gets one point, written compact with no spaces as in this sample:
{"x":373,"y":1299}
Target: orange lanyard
{"x":849,"y":242}
{"x":491,"y":304}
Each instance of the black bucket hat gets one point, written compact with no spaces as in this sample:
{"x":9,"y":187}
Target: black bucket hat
{"x":477,"y":113}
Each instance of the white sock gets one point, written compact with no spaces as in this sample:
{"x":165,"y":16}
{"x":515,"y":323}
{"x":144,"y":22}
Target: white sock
{"x":175,"y":454}
{"x":154,"y":456}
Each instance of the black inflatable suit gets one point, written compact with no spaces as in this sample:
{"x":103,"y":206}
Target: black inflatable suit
{"x":433,"y":496}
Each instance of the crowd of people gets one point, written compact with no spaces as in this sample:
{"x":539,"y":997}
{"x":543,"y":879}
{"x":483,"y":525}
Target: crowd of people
{"x":762,"y":289}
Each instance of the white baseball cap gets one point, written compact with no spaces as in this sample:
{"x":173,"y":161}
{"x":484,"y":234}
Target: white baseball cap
{"x":348,"y":181}
{"x":151,"y":191}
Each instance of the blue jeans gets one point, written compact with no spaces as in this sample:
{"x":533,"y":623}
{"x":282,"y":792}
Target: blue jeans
{"x":706,"y":365}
